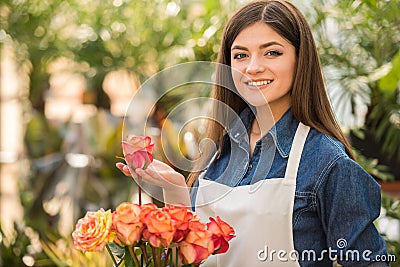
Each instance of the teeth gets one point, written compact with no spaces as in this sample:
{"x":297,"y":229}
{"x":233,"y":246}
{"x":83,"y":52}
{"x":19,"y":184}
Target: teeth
{"x":259,"y":83}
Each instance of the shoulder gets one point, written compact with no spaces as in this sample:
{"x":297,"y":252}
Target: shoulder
{"x":328,"y":157}
{"x":324,"y":158}
{"x":321,"y":152}
{"x":323,"y":144}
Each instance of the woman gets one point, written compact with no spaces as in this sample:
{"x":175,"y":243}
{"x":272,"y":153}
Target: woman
{"x":283,"y":175}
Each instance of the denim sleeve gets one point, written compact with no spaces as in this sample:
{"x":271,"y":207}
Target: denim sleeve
{"x":349,"y":202}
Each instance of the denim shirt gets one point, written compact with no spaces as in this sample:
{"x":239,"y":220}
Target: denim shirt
{"x":336,"y":201}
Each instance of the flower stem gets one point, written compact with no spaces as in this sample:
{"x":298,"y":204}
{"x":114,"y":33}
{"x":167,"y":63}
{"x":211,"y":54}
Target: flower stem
{"x":140,"y":190}
{"x":159,"y":253}
{"x":167,"y":258}
{"x":176,"y":257}
{"x":134,"y":257}
{"x":155,"y":260}
{"x":144,"y":253}
{"x":139,"y":179}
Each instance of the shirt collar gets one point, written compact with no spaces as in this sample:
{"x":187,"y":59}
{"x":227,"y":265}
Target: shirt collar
{"x":282,"y":132}
{"x":239,"y":129}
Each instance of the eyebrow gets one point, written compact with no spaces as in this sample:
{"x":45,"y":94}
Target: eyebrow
{"x":261,"y":46}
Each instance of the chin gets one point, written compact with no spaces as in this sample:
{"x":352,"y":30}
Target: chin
{"x":257,"y":101}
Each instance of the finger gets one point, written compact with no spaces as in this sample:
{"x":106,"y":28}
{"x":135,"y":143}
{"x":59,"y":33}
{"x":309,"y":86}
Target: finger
{"x":126,"y":171}
{"x":130,"y":172}
{"x":157,"y":177}
{"x":119,"y":165}
{"x":153,"y":173}
{"x":123,"y":168}
{"x":159,"y":167}
{"x":140,"y":172}
{"x":147,"y":178}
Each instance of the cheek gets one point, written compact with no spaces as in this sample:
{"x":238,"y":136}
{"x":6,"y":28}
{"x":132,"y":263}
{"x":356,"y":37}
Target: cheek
{"x":291,"y":69}
{"x":290,"y":77}
{"x":237,"y":78}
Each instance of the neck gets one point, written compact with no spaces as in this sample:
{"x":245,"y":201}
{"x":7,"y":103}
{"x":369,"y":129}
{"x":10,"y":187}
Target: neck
{"x":265,"y":119}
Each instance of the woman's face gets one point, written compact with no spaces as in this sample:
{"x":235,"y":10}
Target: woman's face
{"x":263,"y":65}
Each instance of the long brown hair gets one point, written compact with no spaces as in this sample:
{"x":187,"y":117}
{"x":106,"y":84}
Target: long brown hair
{"x":309,"y":99}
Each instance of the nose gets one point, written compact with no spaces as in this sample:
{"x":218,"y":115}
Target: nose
{"x":255,"y":66}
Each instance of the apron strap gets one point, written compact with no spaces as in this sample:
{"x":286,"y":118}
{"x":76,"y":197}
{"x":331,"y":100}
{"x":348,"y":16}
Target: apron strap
{"x":295,"y":152}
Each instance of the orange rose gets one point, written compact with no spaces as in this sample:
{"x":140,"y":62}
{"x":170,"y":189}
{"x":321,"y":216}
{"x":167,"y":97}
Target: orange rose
{"x":197,"y":246}
{"x":160,"y":229}
{"x":127,"y":224}
{"x":221,"y":234}
{"x":181,"y":217}
{"x":93,"y":231}
{"x":146,"y":209}
{"x":196,"y":225}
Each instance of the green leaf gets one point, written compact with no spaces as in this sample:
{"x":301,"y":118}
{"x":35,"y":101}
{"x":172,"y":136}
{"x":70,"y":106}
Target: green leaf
{"x":128,"y":258}
{"x":359,"y":133}
{"x":116,"y":250}
{"x":388,"y":83}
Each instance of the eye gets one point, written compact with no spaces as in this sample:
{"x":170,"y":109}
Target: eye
{"x":273,"y":53}
{"x":239,"y":56}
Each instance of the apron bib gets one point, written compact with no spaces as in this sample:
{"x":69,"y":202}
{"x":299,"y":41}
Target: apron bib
{"x":260,"y":213}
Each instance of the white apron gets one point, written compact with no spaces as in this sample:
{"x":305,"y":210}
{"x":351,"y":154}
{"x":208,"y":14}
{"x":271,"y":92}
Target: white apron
{"x":261,"y":215}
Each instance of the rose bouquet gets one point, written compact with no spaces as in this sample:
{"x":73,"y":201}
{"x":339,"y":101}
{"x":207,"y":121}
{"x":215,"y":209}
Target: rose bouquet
{"x":145,"y":235}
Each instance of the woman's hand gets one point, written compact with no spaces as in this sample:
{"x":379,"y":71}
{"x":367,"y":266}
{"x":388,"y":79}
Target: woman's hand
{"x":157,"y":173}
{"x":161,"y":174}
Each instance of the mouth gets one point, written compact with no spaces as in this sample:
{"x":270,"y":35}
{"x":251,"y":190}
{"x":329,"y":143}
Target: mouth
{"x":258,"y":83}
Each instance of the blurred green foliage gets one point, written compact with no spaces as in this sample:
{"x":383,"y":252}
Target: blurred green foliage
{"x":100,"y":36}
{"x":359,"y":43}
{"x":13,"y":253}
{"x":142,"y":36}
{"x":391,"y":208}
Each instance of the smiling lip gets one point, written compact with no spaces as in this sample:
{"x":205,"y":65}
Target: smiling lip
{"x":259,"y":83}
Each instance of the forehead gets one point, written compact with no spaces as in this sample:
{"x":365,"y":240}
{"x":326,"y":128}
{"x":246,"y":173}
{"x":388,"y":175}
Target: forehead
{"x":257,"y":33}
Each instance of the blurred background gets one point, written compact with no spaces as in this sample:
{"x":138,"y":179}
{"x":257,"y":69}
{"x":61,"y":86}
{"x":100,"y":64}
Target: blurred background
{"x":70,"y":68}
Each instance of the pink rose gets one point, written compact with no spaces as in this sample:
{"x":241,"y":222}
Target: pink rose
{"x":137,"y":143}
{"x":127,"y":224}
{"x":138,"y":151}
{"x":93,"y":231}
{"x":198,"y":244}
{"x":159,"y":228}
{"x":221,"y":234}
{"x":139,"y":159}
